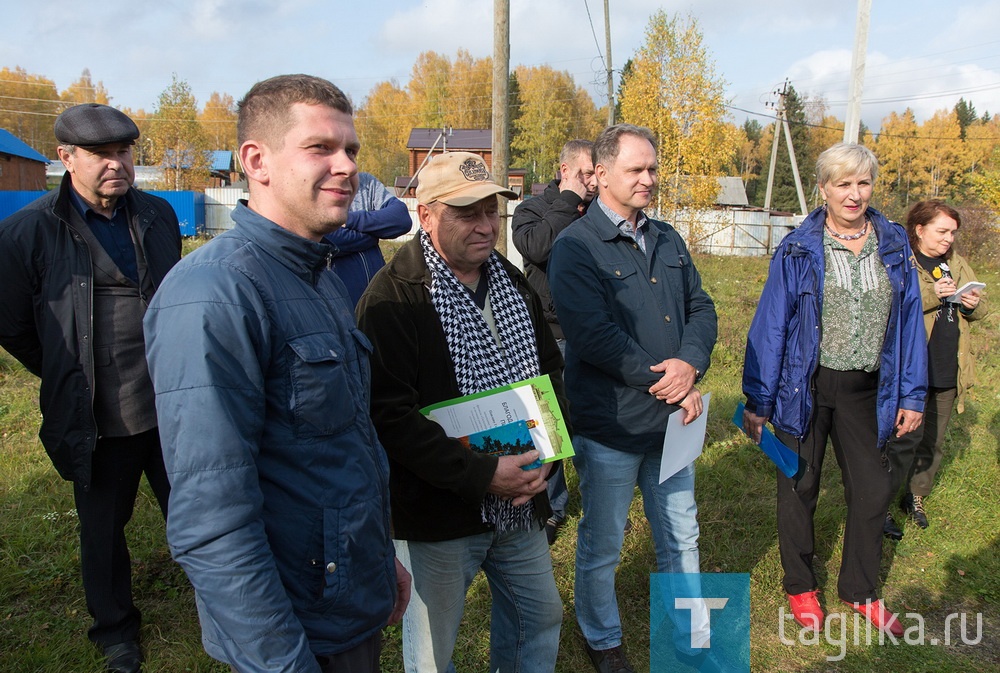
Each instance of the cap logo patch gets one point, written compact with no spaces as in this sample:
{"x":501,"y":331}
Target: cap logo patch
{"x":474,"y":171}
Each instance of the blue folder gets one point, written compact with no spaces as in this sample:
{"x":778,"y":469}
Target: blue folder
{"x":787,"y":460}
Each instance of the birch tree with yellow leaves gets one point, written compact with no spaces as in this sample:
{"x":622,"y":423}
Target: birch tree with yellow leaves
{"x":984,"y":181}
{"x":29,"y":105}
{"x":218,"y":122}
{"x":383,"y":126}
{"x":553,"y":110}
{"x":673,"y":90}
{"x":897,"y":153}
{"x":940,"y":157}
{"x":84,"y":90}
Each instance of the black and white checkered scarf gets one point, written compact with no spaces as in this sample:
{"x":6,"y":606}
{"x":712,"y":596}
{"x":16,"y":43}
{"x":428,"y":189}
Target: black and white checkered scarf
{"x":481,"y":363}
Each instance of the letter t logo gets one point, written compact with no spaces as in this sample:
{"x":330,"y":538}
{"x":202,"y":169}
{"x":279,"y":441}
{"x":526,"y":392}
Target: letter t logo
{"x":701,"y":617}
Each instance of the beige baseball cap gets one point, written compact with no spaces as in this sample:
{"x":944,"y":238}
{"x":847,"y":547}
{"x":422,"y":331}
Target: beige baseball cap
{"x":457,"y":179}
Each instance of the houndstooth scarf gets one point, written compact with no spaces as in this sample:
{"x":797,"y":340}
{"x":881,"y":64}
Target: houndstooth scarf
{"x":481,"y":363}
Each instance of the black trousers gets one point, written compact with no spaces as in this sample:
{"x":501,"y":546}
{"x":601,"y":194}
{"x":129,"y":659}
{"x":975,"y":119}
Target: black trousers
{"x":362,"y":658}
{"x":103,"y":510}
{"x":844,"y":410}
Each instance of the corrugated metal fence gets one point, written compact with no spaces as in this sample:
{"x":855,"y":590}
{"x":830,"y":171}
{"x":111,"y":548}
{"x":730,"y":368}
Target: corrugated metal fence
{"x":734,"y":231}
{"x":11,"y":202}
{"x":189,"y":206}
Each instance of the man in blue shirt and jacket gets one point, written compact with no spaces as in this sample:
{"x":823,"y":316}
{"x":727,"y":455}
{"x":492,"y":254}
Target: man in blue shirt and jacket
{"x":639,"y":333}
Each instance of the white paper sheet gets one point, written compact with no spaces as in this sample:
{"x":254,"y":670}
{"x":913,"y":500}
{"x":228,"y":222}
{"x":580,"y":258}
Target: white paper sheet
{"x":683,"y":443}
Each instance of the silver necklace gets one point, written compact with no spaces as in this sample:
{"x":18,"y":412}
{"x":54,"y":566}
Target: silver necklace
{"x":848,"y":237}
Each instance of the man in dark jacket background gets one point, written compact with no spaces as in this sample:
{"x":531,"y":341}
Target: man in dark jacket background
{"x":536,"y":223}
{"x":78,"y":268}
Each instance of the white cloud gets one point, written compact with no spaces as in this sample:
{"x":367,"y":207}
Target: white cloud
{"x":915,"y":49}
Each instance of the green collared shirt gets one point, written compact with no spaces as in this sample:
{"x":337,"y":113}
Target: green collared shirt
{"x":856,"y":301}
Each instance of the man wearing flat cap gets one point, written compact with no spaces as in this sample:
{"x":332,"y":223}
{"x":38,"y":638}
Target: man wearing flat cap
{"x":447,"y":317}
{"x":78,"y":267}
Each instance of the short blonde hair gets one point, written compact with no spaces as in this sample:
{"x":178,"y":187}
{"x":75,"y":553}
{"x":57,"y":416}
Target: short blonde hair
{"x":844,"y":159}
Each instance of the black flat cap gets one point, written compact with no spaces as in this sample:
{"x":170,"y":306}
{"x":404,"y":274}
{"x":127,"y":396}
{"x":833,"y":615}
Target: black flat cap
{"x":93,"y":124}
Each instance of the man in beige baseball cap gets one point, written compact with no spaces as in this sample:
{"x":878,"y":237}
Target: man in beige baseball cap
{"x":448,"y":316}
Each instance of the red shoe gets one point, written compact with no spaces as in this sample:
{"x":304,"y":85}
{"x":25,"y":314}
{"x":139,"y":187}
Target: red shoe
{"x":806,"y":610}
{"x":882,"y":619}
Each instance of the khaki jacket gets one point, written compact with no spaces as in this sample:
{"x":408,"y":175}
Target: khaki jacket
{"x":962,"y":273}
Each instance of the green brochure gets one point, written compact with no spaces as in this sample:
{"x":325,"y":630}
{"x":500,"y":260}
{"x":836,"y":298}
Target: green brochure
{"x":530,"y":404}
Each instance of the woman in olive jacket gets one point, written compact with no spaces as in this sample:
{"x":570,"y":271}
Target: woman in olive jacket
{"x":931,"y":226}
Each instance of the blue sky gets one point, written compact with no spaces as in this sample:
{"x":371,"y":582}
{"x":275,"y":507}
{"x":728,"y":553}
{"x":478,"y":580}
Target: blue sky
{"x":921,"y":54}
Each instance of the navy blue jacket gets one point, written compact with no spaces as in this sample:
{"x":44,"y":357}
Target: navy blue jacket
{"x":279,"y":507}
{"x":782,"y":352}
{"x":46,"y":311}
{"x":623,"y":311}
{"x":375,"y":214}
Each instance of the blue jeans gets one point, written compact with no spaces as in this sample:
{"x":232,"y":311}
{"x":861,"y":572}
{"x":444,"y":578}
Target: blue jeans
{"x":558,"y":492}
{"x":607,"y":484}
{"x":526,"y":614}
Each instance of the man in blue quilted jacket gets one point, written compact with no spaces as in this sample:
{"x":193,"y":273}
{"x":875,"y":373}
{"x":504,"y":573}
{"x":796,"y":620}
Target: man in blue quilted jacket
{"x":280,"y":505}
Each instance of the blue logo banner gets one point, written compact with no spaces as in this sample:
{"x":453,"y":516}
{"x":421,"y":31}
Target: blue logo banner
{"x":699,"y":622}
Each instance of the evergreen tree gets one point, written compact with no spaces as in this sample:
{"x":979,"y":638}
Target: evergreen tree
{"x":966,"y":114}
{"x":626,"y":73}
{"x":749,"y":168}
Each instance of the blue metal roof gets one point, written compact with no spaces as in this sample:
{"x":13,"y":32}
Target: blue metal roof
{"x":222,"y":160}
{"x":11,"y":144}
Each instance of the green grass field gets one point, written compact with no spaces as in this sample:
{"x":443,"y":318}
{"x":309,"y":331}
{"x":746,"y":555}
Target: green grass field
{"x":953,"y":566}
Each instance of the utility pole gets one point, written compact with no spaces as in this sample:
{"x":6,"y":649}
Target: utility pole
{"x":781,"y":124}
{"x":774,"y":150}
{"x":611,"y":77}
{"x":852,"y":125}
{"x":501,"y":129}
{"x":795,"y":166}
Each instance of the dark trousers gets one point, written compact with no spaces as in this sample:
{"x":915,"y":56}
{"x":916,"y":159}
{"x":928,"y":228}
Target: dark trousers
{"x":844,"y":410}
{"x":104,"y":509}
{"x":362,"y":658}
{"x":916,"y":456}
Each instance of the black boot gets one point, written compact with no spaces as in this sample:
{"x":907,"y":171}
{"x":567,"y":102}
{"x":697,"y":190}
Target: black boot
{"x":914,"y":506}
{"x":890,"y":529}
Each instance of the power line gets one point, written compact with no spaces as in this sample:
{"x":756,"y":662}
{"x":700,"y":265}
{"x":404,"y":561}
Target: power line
{"x":792,"y":122}
{"x":594,"y":33}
